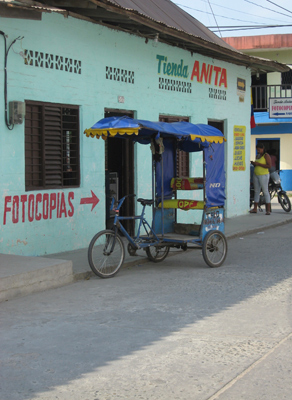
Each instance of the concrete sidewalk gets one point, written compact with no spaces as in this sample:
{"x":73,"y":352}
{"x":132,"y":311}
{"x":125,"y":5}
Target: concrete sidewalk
{"x":20,"y":275}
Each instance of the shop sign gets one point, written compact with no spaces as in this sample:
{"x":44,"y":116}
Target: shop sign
{"x":202,"y":72}
{"x":42,"y":206}
{"x":280,"y":107}
{"x":239,"y":148}
{"x":241,"y":88}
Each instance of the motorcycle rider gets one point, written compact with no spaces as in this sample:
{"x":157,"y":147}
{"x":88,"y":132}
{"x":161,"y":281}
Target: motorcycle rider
{"x":261,"y":178}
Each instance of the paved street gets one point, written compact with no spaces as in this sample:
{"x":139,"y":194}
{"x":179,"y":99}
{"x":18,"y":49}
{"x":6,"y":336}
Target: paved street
{"x":174,"y":330}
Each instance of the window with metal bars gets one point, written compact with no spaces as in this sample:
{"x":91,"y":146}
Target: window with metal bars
{"x":182,"y":157}
{"x":52,"y":157}
{"x":286,"y":78}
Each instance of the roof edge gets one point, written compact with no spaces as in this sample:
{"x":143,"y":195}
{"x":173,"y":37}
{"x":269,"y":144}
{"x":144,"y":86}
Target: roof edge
{"x":189,"y":41}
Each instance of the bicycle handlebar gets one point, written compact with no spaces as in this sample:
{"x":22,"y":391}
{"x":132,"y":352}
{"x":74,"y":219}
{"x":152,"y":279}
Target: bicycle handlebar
{"x":120,"y":202}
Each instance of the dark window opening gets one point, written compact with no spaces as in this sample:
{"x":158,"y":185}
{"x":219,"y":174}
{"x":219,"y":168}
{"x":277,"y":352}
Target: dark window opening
{"x":217,"y":124}
{"x":52,"y":157}
{"x":286,"y":78}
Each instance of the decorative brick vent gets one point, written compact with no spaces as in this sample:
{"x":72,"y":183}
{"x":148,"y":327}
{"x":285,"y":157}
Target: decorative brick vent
{"x":119,"y":75}
{"x":174,"y":85}
{"x":51,"y":61}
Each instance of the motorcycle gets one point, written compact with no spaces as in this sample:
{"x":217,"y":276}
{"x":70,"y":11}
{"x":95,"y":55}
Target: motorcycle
{"x":275,"y":188}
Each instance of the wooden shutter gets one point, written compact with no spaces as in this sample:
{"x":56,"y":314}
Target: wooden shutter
{"x":33,"y":147}
{"x":53,"y":165}
{"x":52,"y":158}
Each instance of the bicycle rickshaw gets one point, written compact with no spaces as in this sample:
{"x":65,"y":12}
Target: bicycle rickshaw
{"x":106,"y":250}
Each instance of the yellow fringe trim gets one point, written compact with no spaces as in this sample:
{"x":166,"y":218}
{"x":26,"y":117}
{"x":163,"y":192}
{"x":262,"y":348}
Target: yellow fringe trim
{"x":110,"y":132}
{"x":135,"y":131}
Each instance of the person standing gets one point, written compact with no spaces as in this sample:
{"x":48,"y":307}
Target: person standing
{"x":273,"y":160}
{"x":261,"y":178}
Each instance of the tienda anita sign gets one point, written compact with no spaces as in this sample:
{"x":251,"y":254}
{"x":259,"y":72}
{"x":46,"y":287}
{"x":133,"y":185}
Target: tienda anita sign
{"x":201,"y":72}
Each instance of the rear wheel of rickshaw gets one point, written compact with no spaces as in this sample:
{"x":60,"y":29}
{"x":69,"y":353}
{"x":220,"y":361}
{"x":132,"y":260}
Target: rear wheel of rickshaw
{"x":157,"y":253}
{"x":214,"y":248}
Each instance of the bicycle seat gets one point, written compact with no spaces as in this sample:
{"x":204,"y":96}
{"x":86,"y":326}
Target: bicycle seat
{"x":146,"y":202}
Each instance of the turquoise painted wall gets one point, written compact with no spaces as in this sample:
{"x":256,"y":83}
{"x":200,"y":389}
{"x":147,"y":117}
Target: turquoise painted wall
{"x":98,"y":49}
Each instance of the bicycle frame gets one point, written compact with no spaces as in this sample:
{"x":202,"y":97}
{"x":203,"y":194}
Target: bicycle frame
{"x":151,"y":239}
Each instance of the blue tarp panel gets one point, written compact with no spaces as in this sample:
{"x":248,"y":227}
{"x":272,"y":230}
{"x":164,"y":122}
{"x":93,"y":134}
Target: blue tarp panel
{"x":215,"y":175}
{"x":169,"y":161}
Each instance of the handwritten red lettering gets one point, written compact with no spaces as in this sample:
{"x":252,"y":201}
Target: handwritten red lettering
{"x":205,"y":74}
{"x":62,"y":206}
{"x":58,"y":205}
{"x":23,"y":199}
{"x":6,"y":208}
{"x":217,"y":70}
{"x":71,"y":197}
{"x":210,"y":74}
{"x":196,"y":71}
{"x":38,"y":199}
{"x":45,"y":206}
{"x":223,"y":78}
{"x":36,"y":207}
{"x":30,"y":207}
{"x":15,"y":209}
{"x":53,"y":203}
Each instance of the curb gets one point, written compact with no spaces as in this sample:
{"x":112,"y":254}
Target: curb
{"x":90,"y":274}
{"x":259,"y":229}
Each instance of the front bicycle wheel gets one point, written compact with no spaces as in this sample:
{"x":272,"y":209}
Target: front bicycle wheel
{"x":106,"y":254}
{"x":214,"y":248}
{"x":284,"y":201}
{"x":157,"y":253}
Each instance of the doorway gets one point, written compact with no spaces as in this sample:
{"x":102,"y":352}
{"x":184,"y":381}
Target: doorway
{"x":272,"y":147}
{"x":217,"y":124}
{"x":119,"y":173}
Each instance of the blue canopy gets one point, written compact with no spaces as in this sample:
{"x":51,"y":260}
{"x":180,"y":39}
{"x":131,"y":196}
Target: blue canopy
{"x":143,"y":131}
{"x":182,"y":135}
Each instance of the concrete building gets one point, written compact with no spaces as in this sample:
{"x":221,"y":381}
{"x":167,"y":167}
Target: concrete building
{"x":69,"y":67}
{"x":272,"y":97}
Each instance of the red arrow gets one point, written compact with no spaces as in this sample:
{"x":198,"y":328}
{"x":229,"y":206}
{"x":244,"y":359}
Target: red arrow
{"x":90,"y":200}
